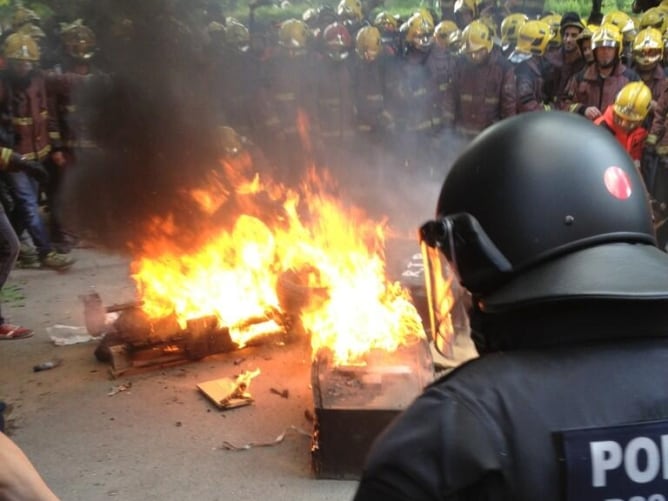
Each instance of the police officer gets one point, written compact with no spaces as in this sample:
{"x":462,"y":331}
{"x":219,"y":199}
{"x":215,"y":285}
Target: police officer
{"x":569,"y":313}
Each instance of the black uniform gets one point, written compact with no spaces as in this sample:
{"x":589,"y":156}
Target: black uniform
{"x":492,"y":429}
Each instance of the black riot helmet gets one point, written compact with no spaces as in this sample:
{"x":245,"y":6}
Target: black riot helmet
{"x":546,"y":207}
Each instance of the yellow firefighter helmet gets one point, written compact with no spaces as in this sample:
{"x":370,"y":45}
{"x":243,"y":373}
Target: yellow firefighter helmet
{"x":293,"y":34}
{"x":445,"y":33}
{"x":385,"y":22}
{"x":606,"y":35}
{"x":653,"y":18}
{"x":33,"y":31}
{"x":368,"y":43}
{"x":21,"y":47}
{"x":78,"y":40}
{"x":237,"y":36}
{"x":419,"y":32}
{"x":554,"y":21}
{"x":624,"y":23}
{"x":534,"y":37}
{"x":475,"y":37}
{"x":633,"y":102}
{"x":510,"y":27}
{"x":23,"y":16}
{"x":648,"y":47}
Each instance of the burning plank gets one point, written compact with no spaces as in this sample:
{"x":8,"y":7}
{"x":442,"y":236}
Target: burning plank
{"x":140,"y":342}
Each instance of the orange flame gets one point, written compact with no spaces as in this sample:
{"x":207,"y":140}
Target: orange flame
{"x":236,"y":272}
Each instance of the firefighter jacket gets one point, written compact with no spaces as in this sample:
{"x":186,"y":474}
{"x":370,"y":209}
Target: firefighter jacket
{"x":587,"y":88}
{"x":64,"y":91}
{"x":480,"y":95}
{"x":287,"y":93}
{"x":563,"y":68}
{"x":655,"y":80}
{"x":414,"y":94}
{"x":236,"y":85}
{"x":27,"y":127}
{"x":441,"y":64}
{"x":370,"y":95}
{"x":518,"y":424}
{"x":530,"y":75}
{"x":657,"y":131}
{"x":633,"y":141}
{"x":334,"y":101}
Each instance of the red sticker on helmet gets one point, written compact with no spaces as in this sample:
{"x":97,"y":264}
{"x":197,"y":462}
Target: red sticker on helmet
{"x":618,"y":183}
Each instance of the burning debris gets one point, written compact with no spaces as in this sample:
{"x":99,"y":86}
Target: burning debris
{"x":228,"y":393}
{"x":354,"y":403}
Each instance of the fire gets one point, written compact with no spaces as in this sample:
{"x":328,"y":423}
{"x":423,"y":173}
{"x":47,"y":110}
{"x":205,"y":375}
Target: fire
{"x":235,"y":272}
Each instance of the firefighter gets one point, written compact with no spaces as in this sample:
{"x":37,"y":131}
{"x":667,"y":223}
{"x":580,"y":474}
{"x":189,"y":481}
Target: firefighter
{"x":442,"y":57}
{"x":414,"y":98}
{"x":590,"y":91}
{"x":483,"y":87}
{"x":567,"y":59}
{"x":67,"y":87}
{"x":374,"y":124}
{"x":532,"y":67}
{"x":335,"y":105}
{"x":624,"y":118}
{"x":28,"y":133}
{"x":544,"y":222}
{"x":287,"y":102}
{"x":235,"y":72}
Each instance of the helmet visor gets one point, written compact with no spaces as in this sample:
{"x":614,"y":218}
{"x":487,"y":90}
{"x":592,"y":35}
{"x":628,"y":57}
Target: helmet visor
{"x":448,"y":301}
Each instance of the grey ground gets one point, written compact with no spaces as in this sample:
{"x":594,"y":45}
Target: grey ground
{"x":161,"y":439}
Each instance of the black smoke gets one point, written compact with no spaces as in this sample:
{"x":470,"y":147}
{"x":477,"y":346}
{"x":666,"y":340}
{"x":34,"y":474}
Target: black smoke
{"x":148,"y":108}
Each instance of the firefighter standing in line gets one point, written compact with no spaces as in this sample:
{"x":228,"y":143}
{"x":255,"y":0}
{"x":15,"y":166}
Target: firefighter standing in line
{"x":374,"y":124}
{"x":414,"y":99}
{"x":569,"y":303}
{"x":647,"y":56}
{"x":532,"y":67}
{"x":335,"y":105}
{"x":567,"y":59}
{"x":483,"y":87}
{"x":65,"y":87}
{"x":288,"y":104}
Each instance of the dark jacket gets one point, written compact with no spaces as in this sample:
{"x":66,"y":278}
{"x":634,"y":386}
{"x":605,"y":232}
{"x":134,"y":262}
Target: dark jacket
{"x":493,"y":429}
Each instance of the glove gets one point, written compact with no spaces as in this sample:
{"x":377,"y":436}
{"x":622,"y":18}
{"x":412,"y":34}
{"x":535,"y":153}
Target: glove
{"x":30,"y":167}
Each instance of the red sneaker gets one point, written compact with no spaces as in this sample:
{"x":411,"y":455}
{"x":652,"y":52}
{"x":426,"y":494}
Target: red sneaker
{"x":9,"y":331}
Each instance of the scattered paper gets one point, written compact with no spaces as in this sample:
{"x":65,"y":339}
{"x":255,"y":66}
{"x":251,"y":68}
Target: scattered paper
{"x":63,"y":335}
{"x":117,"y":389}
{"x":229,"y":446}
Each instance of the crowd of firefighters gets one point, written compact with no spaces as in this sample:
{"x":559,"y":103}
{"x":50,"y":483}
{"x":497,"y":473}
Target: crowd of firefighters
{"x":417,"y":90}
{"x":361,"y":91}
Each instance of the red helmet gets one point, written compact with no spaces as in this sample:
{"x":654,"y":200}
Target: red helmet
{"x":337,"y":40}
